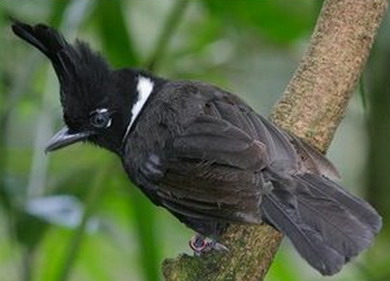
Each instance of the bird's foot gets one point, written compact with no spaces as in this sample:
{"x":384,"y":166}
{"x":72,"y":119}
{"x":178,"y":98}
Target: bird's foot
{"x":202,"y":245}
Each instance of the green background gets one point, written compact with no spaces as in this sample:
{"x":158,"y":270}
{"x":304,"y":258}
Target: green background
{"x":105,"y":229}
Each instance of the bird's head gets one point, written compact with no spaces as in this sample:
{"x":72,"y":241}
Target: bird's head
{"x":98,"y":103}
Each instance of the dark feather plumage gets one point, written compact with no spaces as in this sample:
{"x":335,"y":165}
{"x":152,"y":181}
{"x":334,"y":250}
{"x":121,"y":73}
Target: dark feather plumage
{"x":220,"y":161}
{"x":207,"y":157}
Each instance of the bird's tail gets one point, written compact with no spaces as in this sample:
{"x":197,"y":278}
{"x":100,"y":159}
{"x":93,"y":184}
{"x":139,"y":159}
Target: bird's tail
{"x":326,"y":224}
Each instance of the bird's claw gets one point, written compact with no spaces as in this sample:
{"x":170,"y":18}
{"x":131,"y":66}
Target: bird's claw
{"x":201,"y":245}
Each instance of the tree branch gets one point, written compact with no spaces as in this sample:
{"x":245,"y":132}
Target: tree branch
{"x":312,"y":106}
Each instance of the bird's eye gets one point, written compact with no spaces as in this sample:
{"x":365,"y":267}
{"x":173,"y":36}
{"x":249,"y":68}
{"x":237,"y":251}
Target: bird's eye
{"x":100,"y":119}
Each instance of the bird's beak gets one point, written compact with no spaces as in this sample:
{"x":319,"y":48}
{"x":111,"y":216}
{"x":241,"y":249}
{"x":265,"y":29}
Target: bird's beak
{"x":64,"y":138}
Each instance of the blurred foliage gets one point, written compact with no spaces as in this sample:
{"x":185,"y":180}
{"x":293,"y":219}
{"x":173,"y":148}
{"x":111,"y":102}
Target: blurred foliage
{"x":108,"y":230}
{"x":278,"y":21}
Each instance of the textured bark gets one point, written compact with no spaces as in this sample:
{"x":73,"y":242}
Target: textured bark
{"x":312,"y":106}
{"x":315,"y":99}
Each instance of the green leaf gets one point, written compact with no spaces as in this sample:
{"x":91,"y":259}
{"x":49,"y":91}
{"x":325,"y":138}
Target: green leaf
{"x":145,"y":216}
{"x":29,"y":230}
{"x":279,"y":21}
{"x":114,"y":34}
{"x":58,"y":12}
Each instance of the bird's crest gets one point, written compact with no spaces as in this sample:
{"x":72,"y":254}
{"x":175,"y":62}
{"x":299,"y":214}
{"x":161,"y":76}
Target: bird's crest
{"x":79,"y":69}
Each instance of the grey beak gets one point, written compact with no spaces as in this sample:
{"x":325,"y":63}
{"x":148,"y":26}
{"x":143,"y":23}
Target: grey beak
{"x":64,"y":138}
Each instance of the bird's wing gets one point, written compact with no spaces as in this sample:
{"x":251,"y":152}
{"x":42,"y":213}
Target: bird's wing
{"x":214,"y":170}
{"x":211,"y":155}
{"x":214,"y":164}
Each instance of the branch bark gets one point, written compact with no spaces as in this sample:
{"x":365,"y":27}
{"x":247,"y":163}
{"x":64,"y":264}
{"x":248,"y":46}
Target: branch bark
{"x":311,"y":107}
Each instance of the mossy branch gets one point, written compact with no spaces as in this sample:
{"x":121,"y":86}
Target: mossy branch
{"x":312,"y":107}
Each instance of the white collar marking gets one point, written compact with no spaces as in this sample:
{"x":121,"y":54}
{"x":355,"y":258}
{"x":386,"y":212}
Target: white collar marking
{"x":144,"y":89}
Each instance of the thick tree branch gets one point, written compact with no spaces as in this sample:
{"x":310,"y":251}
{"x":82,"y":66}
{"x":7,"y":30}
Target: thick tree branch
{"x":311,"y":107}
{"x":315,"y":99}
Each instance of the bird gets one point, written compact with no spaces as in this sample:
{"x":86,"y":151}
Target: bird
{"x":205,"y":155}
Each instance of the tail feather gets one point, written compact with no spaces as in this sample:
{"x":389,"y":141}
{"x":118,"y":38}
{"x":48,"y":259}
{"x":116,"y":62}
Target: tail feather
{"x":306,"y":240}
{"x":339,"y":229}
{"x":323,"y":187}
{"x":327,"y":225}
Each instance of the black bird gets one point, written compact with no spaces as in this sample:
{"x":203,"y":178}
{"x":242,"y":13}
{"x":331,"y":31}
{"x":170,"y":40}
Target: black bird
{"x":205,"y":155}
